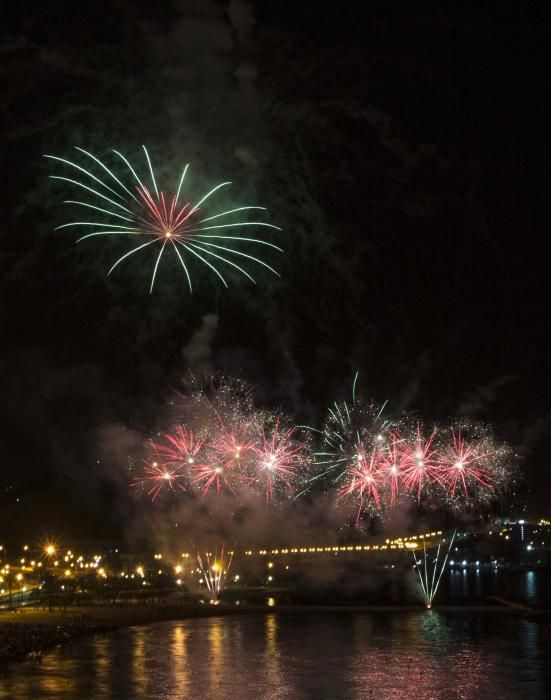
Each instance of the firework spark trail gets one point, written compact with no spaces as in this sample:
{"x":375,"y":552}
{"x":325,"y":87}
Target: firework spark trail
{"x":215,"y":569}
{"x":161,"y":220}
{"x":157,"y":476}
{"x":430,"y":572}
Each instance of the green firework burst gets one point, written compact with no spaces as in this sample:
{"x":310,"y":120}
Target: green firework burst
{"x":162,"y":223}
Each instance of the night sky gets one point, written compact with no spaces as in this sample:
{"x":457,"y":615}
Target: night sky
{"x":405,"y":154}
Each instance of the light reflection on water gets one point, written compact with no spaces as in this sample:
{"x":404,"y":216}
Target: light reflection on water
{"x":531,"y":590}
{"x":382,"y":655}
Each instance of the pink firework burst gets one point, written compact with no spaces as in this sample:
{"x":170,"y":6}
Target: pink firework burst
{"x":158,"y":476}
{"x":462,"y":465}
{"x":164,"y":220}
{"x":395,"y":461}
{"x":424,"y":468}
{"x":229,"y":453}
{"x":233,"y":449}
{"x":182,"y":448}
{"x":212,"y":477}
{"x":363,"y":479}
{"x":187,"y":451}
{"x":278,"y":458}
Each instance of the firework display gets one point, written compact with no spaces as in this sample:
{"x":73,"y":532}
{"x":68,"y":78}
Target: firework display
{"x":278,"y":458}
{"x":220,"y":443}
{"x":363,"y":479}
{"x":160,"y":222}
{"x":157,"y":476}
{"x":430,"y":569}
{"x":215,"y":568}
{"x":373,"y":461}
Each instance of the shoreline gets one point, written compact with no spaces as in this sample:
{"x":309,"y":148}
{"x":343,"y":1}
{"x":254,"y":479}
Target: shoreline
{"x":33,"y":631}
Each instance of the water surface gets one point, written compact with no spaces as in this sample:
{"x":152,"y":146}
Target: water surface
{"x":383,"y":655}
